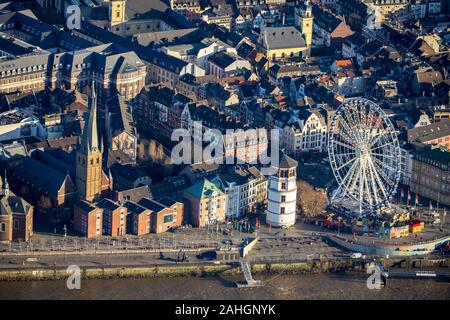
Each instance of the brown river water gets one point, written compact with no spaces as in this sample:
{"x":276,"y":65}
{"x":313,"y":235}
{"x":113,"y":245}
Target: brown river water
{"x":301,"y":287}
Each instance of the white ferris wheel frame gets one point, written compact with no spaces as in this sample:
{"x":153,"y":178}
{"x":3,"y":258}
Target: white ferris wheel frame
{"x":364,"y":154}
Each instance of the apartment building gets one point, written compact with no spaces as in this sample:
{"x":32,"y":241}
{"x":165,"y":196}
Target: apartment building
{"x":88,"y":219}
{"x":114,"y":218}
{"x":245,"y":189}
{"x":305,"y":132}
{"x":138,"y":219}
{"x":205,"y":203}
{"x":431,"y":174}
{"x":166,"y":213}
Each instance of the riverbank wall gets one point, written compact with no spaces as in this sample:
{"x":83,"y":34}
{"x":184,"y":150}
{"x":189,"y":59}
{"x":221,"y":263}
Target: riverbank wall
{"x":303,"y":267}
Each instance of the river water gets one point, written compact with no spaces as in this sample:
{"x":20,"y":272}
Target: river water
{"x":302,"y":287}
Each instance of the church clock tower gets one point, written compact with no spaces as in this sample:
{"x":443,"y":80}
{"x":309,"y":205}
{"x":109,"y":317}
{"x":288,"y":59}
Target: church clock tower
{"x":89,"y":156}
{"x":304,"y":20}
{"x":117,"y":9}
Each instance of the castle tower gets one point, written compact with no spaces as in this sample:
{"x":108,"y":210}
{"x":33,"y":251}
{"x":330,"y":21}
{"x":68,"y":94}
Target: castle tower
{"x":89,"y":156}
{"x":117,"y":11}
{"x":282,"y":194}
{"x":305,"y":21}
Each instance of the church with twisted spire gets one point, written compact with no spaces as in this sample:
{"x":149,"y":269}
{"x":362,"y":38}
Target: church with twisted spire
{"x":89,"y":170}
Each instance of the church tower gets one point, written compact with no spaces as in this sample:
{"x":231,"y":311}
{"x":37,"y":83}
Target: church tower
{"x":117,"y":11}
{"x":305,"y":21}
{"x":89,"y":156}
{"x":5,"y":187}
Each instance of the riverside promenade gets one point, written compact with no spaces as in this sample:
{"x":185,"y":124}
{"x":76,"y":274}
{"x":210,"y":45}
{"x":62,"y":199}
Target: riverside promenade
{"x":304,"y":248}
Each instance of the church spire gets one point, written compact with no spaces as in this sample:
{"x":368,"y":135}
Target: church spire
{"x":89,"y":140}
{"x":5,"y":186}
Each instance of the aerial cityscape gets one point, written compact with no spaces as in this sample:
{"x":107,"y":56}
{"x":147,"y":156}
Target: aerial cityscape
{"x":225,"y":150}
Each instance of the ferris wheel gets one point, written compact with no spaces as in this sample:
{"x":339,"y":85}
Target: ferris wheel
{"x":364,"y":154}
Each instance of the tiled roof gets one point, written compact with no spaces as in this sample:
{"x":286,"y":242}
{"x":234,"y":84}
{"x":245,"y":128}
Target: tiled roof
{"x":150,"y":204}
{"x":128,"y":171}
{"x":107,"y":204}
{"x":283,"y":37}
{"x":287,"y":162}
{"x":437,"y":155}
{"x":425,"y":133}
{"x":40,"y":174}
{"x":134,"y":208}
{"x":85,"y":206}
{"x":135,"y":194}
{"x":222,"y":59}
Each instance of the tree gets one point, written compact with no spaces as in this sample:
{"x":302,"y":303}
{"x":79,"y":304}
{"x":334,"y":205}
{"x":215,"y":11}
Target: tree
{"x":310,"y":202}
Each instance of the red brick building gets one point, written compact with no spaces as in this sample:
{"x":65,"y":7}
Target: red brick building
{"x":138,"y":219}
{"x":16,"y":216}
{"x":51,"y":191}
{"x":88,"y":219}
{"x":166,"y":213}
{"x":114,"y":218}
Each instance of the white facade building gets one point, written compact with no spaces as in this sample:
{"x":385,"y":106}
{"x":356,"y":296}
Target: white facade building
{"x":243,"y":189}
{"x":305,"y":132}
{"x":282,"y":194}
{"x":406,"y":158}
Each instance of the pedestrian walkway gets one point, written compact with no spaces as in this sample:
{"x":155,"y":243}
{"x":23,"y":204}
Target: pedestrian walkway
{"x":249,"y":281}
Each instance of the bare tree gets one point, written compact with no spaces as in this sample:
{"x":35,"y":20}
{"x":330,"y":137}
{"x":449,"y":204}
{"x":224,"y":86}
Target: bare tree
{"x":310,"y":202}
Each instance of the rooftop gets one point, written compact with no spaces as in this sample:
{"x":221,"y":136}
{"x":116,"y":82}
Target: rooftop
{"x":436,"y":156}
{"x":15,"y":116}
{"x":203,"y":188}
{"x":433,"y":130}
{"x":283,"y":37}
{"x":134,"y":208}
{"x":152,"y":205}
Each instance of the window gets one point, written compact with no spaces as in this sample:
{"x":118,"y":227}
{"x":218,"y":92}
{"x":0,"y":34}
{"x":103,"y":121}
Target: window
{"x":282,"y":211}
{"x":118,"y":14}
{"x":283,"y":198}
{"x":168,"y":218}
{"x":283,"y":186}
{"x":2,"y":227}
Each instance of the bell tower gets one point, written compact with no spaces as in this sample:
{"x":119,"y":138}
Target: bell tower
{"x":305,"y":22}
{"x":89,"y":156}
{"x":117,"y":11}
